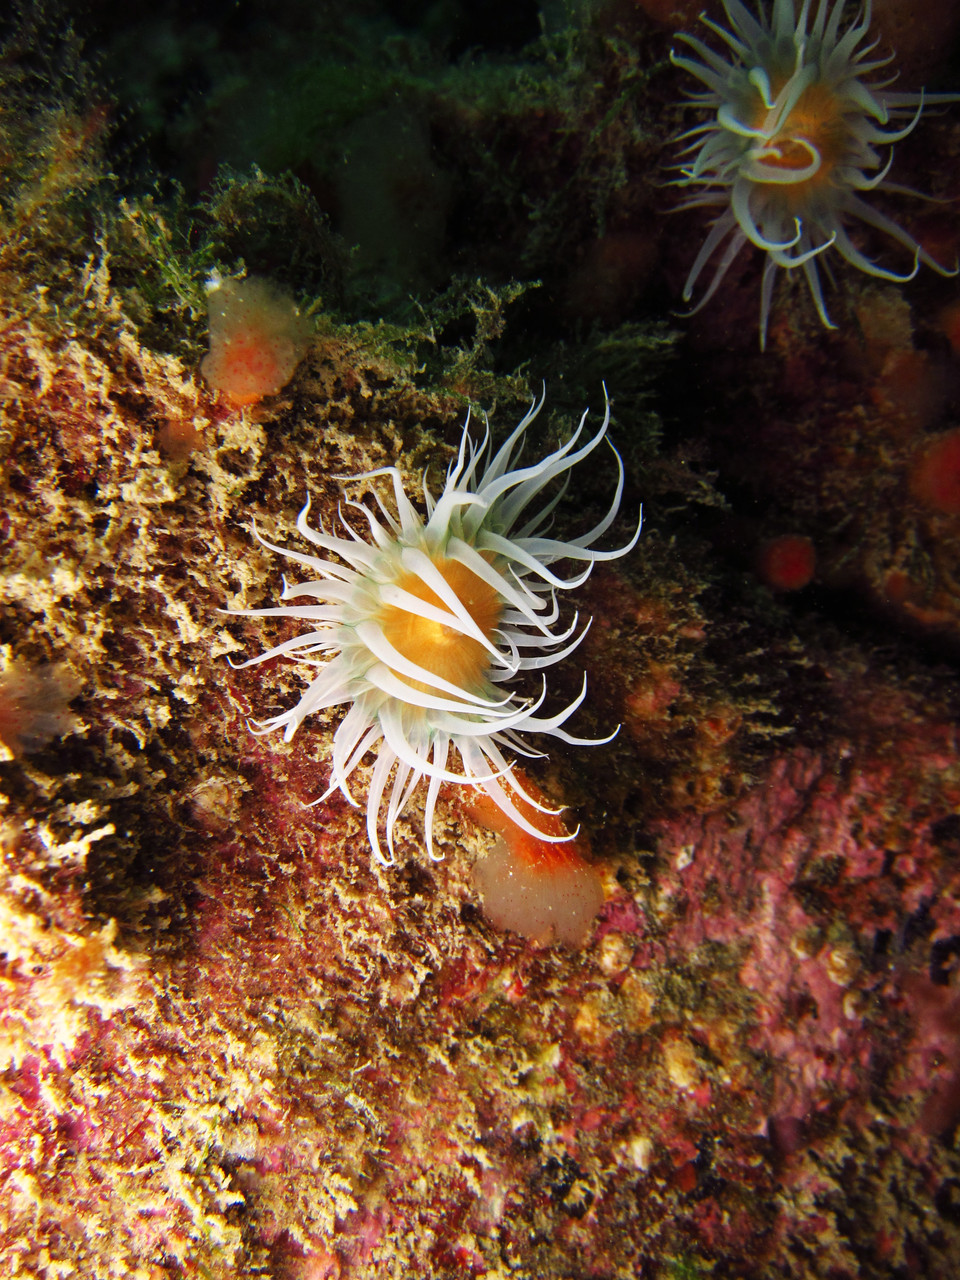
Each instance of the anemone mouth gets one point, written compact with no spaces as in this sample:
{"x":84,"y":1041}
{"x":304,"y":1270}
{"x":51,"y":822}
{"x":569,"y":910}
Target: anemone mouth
{"x":798,"y":130}
{"x":419,"y":621}
{"x":444,"y":618}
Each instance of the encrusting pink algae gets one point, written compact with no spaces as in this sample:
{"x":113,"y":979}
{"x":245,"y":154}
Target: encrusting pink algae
{"x":232,"y":1043}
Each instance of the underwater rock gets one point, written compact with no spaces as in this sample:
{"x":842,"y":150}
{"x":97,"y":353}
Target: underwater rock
{"x":232,"y":1044}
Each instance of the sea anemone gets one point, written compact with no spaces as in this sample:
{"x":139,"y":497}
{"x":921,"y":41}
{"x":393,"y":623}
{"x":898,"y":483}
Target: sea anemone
{"x":420,"y":622}
{"x":793,"y":142}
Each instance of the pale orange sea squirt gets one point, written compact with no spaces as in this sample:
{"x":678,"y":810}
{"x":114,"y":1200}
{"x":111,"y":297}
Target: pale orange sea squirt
{"x":258,"y":336}
{"x":541,"y":888}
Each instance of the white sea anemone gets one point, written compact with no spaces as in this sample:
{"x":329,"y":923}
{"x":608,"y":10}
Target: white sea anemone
{"x":419,"y":622}
{"x":792,"y":143}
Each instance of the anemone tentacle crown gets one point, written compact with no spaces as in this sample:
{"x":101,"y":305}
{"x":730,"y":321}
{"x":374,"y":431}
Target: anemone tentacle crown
{"x":418,"y":624}
{"x":792,"y":143}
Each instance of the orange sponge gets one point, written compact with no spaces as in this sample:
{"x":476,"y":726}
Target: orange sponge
{"x":788,"y":562}
{"x":935,"y":477}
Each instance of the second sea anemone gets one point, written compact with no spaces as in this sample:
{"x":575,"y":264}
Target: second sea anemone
{"x":799,"y":129}
{"x":417,"y":626}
